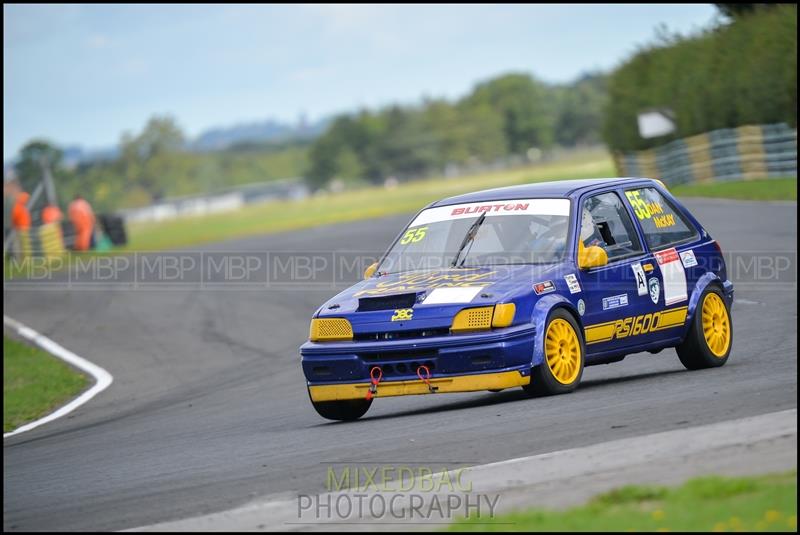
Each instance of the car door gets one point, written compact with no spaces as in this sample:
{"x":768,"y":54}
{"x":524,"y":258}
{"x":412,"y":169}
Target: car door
{"x":672,"y":239}
{"x":618,"y":307}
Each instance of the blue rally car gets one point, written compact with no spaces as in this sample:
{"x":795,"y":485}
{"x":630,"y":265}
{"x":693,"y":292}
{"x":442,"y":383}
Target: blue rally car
{"x":523,"y":286}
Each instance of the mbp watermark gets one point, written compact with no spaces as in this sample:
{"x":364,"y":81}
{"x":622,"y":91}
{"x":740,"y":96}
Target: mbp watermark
{"x":396,"y":493}
{"x":336,"y":270}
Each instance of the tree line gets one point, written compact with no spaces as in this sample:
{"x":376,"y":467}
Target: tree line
{"x":500,"y":117}
{"x":507,"y":115}
{"x":743,"y":72}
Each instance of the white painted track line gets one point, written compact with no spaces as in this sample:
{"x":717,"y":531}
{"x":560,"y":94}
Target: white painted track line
{"x":101,"y":377}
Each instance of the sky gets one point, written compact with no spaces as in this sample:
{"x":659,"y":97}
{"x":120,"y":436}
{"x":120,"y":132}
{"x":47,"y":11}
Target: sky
{"x":84,"y":74}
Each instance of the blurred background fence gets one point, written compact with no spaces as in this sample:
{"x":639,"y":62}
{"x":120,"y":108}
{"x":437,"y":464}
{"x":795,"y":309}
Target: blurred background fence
{"x":220,"y":201}
{"x":746,"y":152}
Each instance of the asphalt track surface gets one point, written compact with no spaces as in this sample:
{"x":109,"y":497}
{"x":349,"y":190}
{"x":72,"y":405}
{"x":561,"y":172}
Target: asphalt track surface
{"x":208,"y":409}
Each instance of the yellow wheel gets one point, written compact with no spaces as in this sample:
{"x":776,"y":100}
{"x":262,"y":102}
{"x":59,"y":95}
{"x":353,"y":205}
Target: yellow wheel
{"x":710,"y":337}
{"x":716,"y":325}
{"x":563,"y":352}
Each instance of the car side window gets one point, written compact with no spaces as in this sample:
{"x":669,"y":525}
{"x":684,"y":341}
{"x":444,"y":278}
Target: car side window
{"x":605,"y":223}
{"x":662,"y":225}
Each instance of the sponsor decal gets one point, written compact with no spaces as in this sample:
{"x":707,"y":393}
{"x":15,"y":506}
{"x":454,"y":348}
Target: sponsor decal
{"x":641,"y":280}
{"x":636,"y":325}
{"x":688,"y":259}
{"x":544,"y":287}
{"x":581,"y":307}
{"x":411,"y":282}
{"x":673,"y":274}
{"x":655,"y":290}
{"x":505,"y":207}
{"x":403,"y":314}
{"x":667,"y":256}
{"x":491,"y":209}
{"x":615,"y":301}
{"x":648,"y":267}
{"x":452,"y":295}
{"x":572,"y":283}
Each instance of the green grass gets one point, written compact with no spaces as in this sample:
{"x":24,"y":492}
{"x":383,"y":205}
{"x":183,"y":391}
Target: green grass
{"x":770,"y":189}
{"x":34,"y":383}
{"x":365,"y":203}
{"x":765,"y":503}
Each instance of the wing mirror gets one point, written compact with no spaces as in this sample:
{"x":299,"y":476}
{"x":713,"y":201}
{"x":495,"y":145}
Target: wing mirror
{"x":592,"y":256}
{"x":370,"y":271}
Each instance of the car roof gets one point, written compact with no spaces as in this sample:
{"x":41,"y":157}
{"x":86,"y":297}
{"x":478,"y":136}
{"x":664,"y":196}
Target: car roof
{"x":557,"y":188}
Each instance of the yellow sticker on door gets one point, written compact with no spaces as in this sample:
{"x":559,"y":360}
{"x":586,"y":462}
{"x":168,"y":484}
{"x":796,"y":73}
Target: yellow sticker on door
{"x":636,"y":325}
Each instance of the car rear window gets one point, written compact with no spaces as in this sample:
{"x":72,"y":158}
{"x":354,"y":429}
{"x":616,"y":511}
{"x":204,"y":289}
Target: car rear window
{"x":663,"y":225}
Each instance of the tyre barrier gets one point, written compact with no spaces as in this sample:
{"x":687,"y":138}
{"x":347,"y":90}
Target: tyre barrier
{"x":114,"y":227}
{"x":45,"y":240}
{"x":743,"y":153}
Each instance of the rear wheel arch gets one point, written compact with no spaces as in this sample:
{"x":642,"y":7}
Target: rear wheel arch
{"x":708,"y":279}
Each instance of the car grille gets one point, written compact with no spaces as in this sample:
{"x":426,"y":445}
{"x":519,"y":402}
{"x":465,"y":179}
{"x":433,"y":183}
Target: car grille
{"x":389,"y":302}
{"x":401,"y":335}
{"x":396,"y":364}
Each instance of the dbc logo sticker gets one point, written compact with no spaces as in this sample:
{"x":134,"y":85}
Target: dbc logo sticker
{"x":403,"y":314}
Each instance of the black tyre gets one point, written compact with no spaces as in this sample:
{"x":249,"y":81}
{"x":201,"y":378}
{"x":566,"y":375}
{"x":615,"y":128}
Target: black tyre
{"x":710,"y":337}
{"x":564,"y":352}
{"x":345,"y":410}
{"x":114,"y":227}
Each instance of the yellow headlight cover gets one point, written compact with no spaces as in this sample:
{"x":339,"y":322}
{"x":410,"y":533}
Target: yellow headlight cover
{"x":330,"y":329}
{"x":503,"y":314}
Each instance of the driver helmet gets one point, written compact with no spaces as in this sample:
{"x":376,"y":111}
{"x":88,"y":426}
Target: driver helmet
{"x":587,"y":225}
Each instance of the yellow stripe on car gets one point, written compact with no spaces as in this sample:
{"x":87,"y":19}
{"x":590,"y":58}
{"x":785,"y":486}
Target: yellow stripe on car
{"x":600,"y":332}
{"x":461,"y":383}
{"x":672,"y":318}
{"x":636,"y":325}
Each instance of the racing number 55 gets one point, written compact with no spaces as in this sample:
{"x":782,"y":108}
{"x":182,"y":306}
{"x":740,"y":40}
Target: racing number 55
{"x":413,"y":235}
{"x":639,"y":206}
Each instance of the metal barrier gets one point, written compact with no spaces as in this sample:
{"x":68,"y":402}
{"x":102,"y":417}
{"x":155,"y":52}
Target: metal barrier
{"x":743,"y":153}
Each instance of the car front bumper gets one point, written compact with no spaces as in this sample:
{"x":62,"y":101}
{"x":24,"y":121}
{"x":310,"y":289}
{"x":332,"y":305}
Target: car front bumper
{"x":435,"y":385}
{"x":487,"y":360}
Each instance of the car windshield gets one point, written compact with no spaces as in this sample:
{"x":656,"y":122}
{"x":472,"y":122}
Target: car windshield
{"x":524,"y":231}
